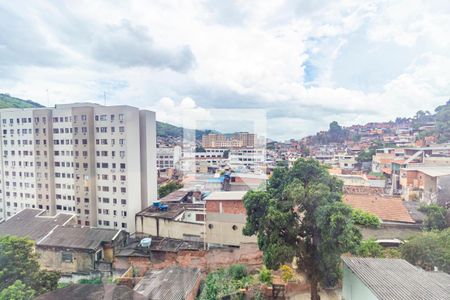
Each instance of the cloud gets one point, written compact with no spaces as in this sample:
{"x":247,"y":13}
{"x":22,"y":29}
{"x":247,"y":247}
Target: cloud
{"x":304,"y":63}
{"x":129,"y":46}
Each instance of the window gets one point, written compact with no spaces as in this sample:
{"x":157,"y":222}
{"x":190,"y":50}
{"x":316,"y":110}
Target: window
{"x":66,"y":256}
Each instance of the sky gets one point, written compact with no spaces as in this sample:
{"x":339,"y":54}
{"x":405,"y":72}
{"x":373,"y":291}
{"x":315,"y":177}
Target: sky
{"x":304,"y":63}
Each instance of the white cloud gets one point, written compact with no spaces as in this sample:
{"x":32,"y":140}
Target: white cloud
{"x":307,"y":63}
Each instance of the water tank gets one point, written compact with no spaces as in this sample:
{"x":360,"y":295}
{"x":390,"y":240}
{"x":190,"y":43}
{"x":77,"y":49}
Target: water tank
{"x":145,"y":242}
{"x":164,"y":207}
{"x":157,"y":203}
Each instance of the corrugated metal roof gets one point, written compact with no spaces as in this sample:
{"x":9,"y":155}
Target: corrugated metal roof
{"x":78,"y":237}
{"x":173,"y":283}
{"x":235,"y":195}
{"x":32,"y":223}
{"x":397,"y":279}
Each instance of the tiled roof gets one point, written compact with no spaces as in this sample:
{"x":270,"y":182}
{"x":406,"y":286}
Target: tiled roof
{"x":397,"y":279}
{"x":388,"y":209}
{"x":32,"y":223}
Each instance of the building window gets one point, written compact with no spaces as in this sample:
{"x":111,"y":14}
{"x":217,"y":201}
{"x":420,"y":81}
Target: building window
{"x":234,"y":227}
{"x":210,"y":226}
{"x":66,"y":257}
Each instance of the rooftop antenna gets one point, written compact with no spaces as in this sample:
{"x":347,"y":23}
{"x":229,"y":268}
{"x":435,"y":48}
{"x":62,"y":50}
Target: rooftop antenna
{"x":48,"y":99}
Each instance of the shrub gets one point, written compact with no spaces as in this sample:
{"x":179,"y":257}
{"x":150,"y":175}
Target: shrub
{"x":369,"y":248}
{"x":436,"y":217}
{"x":237,"y":271}
{"x":96,"y":280}
{"x":265,"y":275}
{"x":363,"y":218}
{"x":286,"y":273}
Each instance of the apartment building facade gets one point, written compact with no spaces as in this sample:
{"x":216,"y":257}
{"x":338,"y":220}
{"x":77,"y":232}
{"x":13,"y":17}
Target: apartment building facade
{"x":98,"y":162}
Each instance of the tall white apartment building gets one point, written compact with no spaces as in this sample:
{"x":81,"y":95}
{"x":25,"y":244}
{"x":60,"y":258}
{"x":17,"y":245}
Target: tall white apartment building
{"x":98,"y":162}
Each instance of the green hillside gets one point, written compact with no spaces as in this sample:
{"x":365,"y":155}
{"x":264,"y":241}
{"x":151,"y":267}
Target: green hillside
{"x":6,"y":101}
{"x":162,"y":129}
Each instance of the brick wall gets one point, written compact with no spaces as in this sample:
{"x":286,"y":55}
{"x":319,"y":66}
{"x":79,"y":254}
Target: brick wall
{"x":228,"y":207}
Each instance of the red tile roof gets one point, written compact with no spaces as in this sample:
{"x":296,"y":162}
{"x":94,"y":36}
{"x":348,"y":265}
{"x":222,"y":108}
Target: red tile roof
{"x":389,"y":209}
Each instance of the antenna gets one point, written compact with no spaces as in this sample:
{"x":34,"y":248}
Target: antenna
{"x":48,"y":99}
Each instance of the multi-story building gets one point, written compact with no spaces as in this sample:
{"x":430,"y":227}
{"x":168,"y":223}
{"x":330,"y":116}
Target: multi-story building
{"x":236,"y":140}
{"x":98,"y":162}
{"x":168,"y":157}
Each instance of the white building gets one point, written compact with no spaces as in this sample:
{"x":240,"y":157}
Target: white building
{"x":98,"y":162}
{"x":168,"y":157}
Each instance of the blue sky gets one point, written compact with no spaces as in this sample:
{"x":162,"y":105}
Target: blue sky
{"x":306,"y":63}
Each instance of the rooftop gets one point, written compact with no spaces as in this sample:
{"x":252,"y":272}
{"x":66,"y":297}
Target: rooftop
{"x":432,"y":171}
{"x":173,"y":283}
{"x":92,"y":292}
{"x":175,"y":196}
{"x":32,"y":223}
{"x":173,"y":210}
{"x":388,"y":209}
{"x":397,"y":279}
{"x":232,"y":195}
{"x":78,"y":237}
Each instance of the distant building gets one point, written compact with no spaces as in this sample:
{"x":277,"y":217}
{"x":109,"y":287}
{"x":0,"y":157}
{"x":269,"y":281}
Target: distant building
{"x":236,"y":140}
{"x":98,"y":162}
{"x":168,"y":157}
{"x":387,"y":279}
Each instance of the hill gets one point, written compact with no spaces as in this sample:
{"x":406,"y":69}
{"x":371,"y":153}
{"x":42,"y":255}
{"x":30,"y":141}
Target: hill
{"x":162,"y":129}
{"x":6,"y":101}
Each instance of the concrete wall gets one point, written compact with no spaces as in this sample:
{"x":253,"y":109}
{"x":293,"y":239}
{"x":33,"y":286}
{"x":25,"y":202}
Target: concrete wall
{"x":353,"y":288}
{"x":226,"y":229}
{"x":168,"y":228}
{"x":51,"y":259}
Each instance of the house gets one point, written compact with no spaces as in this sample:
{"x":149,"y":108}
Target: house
{"x":225,"y":219}
{"x":399,"y":219}
{"x":388,"y":279}
{"x":429,"y":184}
{"x":64,"y":246}
{"x":177,"y":220}
{"x":170,"y":283}
{"x":75,"y":249}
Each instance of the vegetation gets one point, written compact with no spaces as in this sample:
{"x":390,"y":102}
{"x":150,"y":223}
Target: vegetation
{"x":428,"y":250}
{"x":224,"y":282}
{"x":442,"y":119}
{"x":369,"y":248}
{"x":301,"y":216}
{"x":363,"y":218}
{"x":366,"y":155}
{"x":265,"y":275}
{"x":436,"y":217}
{"x":6,"y":101}
{"x":168,"y":188}
{"x":96,"y":280}
{"x":17,"y":291}
{"x":19,"y":268}
{"x":287,"y":273}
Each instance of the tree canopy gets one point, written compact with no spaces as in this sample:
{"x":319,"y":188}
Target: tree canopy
{"x":169,"y":188}
{"x":19,"y":266}
{"x":301,"y":216}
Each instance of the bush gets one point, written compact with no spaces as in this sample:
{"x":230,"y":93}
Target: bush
{"x":286,"y":273}
{"x":369,"y":248}
{"x":436,"y":217}
{"x":237,"y":272}
{"x":96,"y":280}
{"x":265,"y":275}
{"x":428,"y":250}
{"x":392,"y":253}
{"x":363,"y":218}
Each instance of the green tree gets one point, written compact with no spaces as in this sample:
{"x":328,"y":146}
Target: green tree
{"x":18,"y":261}
{"x":301,"y":216}
{"x":436,"y":217}
{"x":169,"y":188}
{"x":17,"y":291}
{"x":442,"y":119}
{"x":428,"y":250}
